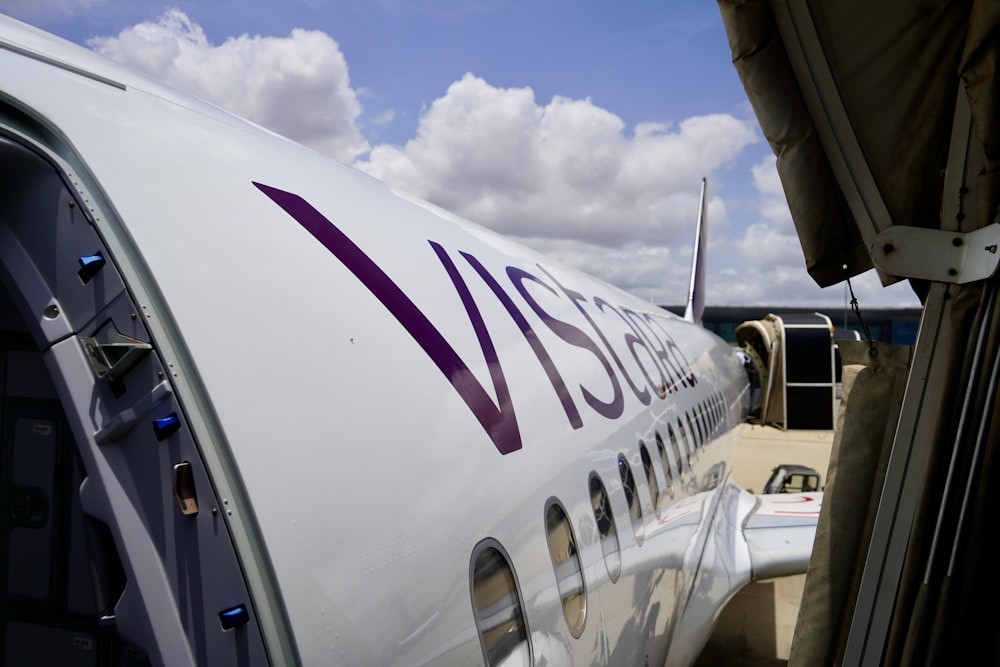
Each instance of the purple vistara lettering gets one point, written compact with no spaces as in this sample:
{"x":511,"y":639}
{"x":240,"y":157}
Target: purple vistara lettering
{"x":654,"y":346}
{"x":632,"y":343}
{"x":497,"y":419}
{"x":574,"y":336}
{"x":572,"y":414}
{"x":688,"y":378}
{"x":578,"y":299}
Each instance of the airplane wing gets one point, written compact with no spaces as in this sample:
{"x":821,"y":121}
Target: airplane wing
{"x":779,"y":533}
{"x":749,"y":538}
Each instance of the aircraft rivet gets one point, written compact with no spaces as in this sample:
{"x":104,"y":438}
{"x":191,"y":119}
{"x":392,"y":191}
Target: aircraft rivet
{"x":133,"y":316}
{"x":72,"y":204}
{"x":215,"y":510}
{"x":51,"y":312}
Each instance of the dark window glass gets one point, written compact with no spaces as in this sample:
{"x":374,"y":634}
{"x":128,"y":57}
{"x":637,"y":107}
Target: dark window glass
{"x":668,"y":473}
{"x":631,"y":497}
{"x":566,"y":563}
{"x":606,"y":526}
{"x":651,"y":481}
{"x":496,"y":602}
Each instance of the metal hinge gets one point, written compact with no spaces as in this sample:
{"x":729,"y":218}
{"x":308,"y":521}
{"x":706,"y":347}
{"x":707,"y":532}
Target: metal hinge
{"x":938,"y":255}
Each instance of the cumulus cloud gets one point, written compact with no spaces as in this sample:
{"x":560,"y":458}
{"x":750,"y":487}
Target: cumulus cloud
{"x":297,"y":86}
{"x":650,"y":272}
{"x":790,"y":286}
{"x":568,"y":178}
{"x":772,"y":240}
{"x":567,"y":169}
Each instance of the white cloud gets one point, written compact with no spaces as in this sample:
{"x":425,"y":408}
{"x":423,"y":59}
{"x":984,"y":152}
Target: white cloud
{"x":650,"y":272}
{"x":568,"y":179}
{"x":766,"y":179}
{"x":564,"y":170}
{"x":772,"y":241}
{"x":297,"y":86}
{"x":791,"y":286}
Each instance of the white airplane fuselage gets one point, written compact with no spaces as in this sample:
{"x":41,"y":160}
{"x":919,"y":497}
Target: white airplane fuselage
{"x":366,"y":393}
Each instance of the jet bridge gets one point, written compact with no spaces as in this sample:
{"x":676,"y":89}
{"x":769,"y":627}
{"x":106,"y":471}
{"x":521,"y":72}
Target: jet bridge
{"x":883,"y":117}
{"x":794,"y":360}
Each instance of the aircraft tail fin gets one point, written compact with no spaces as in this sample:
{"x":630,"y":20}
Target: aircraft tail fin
{"x":696,"y":287}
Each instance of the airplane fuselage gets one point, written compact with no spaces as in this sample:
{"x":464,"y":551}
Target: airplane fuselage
{"x":350,"y":428}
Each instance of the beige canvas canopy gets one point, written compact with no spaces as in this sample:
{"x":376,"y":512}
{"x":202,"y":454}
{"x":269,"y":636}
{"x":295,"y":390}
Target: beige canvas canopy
{"x":858,"y":101}
{"x":883,"y":116}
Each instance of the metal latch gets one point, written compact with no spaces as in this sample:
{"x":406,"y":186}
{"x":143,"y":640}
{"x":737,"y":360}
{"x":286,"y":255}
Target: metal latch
{"x":112,"y":354}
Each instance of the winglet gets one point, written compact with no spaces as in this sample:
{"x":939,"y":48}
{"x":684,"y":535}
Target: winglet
{"x":696,"y":288}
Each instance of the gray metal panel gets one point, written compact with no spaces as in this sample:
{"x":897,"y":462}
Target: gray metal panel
{"x":52,"y":229}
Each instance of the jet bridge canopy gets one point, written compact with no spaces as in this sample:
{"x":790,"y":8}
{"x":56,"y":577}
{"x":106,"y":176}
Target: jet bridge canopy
{"x":858,"y":100}
{"x":883,"y":117}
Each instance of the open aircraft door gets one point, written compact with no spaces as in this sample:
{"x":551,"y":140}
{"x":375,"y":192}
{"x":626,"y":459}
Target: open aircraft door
{"x":796,"y":356}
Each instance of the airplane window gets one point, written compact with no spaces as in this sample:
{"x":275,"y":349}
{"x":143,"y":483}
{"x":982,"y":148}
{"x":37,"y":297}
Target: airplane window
{"x":651,"y":481}
{"x":606,"y":526}
{"x":678,"y":447}
{"x":668,"y":474}
{"x":496,"y":603}
{"x":687,"y":433}
{"x":700,"y":434}
{"x":566,"y":562}
{"x":702,"y":417}
{"x":631,"y":497}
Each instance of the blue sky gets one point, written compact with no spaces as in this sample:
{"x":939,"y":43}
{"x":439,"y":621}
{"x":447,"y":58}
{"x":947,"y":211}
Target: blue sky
{"x":580,"y":128}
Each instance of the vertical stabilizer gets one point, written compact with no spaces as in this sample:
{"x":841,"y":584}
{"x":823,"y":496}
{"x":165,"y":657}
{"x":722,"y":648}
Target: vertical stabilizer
{"x":696,"y":287}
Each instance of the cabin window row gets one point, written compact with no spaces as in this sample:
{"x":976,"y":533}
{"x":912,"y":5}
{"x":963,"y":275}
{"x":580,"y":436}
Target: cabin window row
{"x":496,"y":595}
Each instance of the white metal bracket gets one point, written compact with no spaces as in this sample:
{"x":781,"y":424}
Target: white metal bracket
{"x":937,"y":254}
